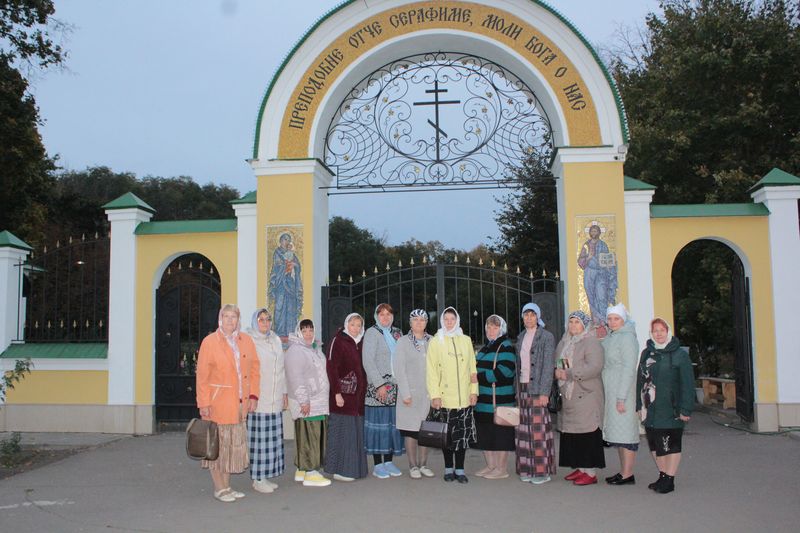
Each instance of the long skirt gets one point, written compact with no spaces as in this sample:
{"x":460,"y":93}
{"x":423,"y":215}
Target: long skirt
{"x":492,"y":437}
{"x":582,"y":450}
{"x":381,"y":435}
{"x":233,"y":457}
{"x":309,"y":440}
{"x":345,"y":450}
{"x":266,"y":445}
{"x":461,"y":433}
{"x":536,"y":451}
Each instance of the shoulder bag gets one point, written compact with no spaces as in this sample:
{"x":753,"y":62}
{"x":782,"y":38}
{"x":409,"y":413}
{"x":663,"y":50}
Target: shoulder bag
{"x":503,"y":415}
{"x":202,"y":439}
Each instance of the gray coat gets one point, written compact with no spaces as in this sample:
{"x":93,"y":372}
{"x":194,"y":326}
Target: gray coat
{"x":542,"y":362}
{"x":377,"y":361}
{"x":409,"y":369}
{"x":583,"y":412}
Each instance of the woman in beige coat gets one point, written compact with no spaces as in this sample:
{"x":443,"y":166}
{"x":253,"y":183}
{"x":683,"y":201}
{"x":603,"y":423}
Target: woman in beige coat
{"x":579,"y":365}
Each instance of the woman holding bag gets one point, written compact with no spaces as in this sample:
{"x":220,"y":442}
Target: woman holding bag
{"x":453,"y":387}
{"x":345,"y":457}
{"x":496,"y":365}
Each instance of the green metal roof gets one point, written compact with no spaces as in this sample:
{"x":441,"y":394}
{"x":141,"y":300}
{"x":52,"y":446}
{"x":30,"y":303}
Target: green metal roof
{"x":249,"y":198}
{"x":9,"y":240}
{"x":171,"y":227}
{"x":53,"y":350}
{"x":775,"y":178}
{"x":623,"y":119}
{"x":632,"y":184}
{"x":708,"y":210}
{"x":127,"y":201}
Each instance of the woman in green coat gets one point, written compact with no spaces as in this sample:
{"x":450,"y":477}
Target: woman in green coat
{"x":666,"y":384}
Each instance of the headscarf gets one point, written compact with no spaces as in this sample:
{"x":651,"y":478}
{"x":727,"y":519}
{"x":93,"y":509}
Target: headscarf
{"x":299,"y":336}
{"x":565,"y":357}
{"x":254,"y":331}
{"x":669,"y":333}
{"x":391,"y":342}
{"x":535,"y":308}
{"x":503,"y":327}
{"x":351,"y":316}
{"x":618,"y":310}
{"x":442,"y":333}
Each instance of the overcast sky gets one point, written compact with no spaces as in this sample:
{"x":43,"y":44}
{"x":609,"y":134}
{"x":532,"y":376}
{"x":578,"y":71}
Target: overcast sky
{"x":169,"y":88}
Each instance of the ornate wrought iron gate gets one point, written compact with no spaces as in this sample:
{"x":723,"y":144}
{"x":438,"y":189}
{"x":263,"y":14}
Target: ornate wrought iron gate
{"x":187,"y":307}
{"x":475,"y":291}
{"x":743,"y":364}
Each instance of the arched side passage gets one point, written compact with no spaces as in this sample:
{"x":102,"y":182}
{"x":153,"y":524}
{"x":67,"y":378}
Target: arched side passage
{"x":748,"y":237}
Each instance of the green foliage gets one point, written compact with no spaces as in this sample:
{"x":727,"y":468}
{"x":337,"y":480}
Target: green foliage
{"x":528,"y":218}
{"x":10,"y":450}
{"x":22,"y":367}
{"x":711,"y":91}
{"x":352,"y":249}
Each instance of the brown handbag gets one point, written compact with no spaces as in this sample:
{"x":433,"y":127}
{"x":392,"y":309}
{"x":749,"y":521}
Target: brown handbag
{"x":202,"y":439}
{"x":503,"y":415}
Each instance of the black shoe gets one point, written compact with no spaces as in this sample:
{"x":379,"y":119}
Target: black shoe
{"x":653,"y":485}
{"x":449,"y":477}
{"x":665,"y":485}
{"x":613,"y":479}
{"x":461,"y":478}
{"x":630,"y":480}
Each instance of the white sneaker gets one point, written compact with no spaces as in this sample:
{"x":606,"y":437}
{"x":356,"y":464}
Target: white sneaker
{"x":425,"y":471}
{"x":236,"y":494}
{"x":339,"y":477}
{"x":261,"y":485}
{"x":415,"y":473}
{"x":224,"y":495}
{"x":315,"y":479}
{"x":270,"y":484}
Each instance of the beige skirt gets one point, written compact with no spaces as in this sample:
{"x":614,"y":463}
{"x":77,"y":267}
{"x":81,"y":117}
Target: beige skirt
{"x":234,"y":455}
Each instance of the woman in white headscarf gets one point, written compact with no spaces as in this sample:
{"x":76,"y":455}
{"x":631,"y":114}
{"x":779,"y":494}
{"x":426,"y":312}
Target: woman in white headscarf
{"x":453,"y":387}
{"x":496,"y":364}
{"x":265,"y":424}
{"x":345,"y":457}
{"x":621,"y":423}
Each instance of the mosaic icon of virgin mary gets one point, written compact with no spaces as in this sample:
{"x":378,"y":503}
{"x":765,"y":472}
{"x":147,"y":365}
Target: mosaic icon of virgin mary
{"x":285,"y":287}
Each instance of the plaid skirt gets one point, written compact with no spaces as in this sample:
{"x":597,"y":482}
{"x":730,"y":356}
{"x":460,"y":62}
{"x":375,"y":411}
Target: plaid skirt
{"x":266,"y":445}
{"x":233,"y":457}
{"x":536,"y":451}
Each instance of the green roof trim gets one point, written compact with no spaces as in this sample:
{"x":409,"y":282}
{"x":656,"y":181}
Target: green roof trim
{"x":128,"y":201}
{"x":172,"y":227}
{"x":708,"y":210}
{"x":9,"y":240}
{"x":775,"y":178}
{"x":632,"y":184}
{"x":53,"y":350}
{"x":249,"y":198}
{"x":623,"y":119}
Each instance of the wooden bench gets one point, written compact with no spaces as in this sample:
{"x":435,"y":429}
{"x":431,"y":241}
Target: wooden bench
{"x":719,"y":391}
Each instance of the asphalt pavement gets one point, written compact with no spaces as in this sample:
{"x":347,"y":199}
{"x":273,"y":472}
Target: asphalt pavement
{"x":729,"y":481}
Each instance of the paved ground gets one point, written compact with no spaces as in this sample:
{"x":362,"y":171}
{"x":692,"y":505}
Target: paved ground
{"x":730,"y":481}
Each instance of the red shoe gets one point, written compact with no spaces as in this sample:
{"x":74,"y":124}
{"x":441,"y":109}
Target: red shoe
{"x":574,"y":475}
{"x":585,"y":479}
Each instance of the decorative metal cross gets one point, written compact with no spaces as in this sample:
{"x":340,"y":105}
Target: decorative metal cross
{"x":436,"y":103}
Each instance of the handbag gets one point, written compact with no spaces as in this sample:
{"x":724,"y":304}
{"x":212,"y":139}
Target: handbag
{"x":349,"y":383}
{"x":432,"y":432}
{"x":391,"y":391}
{"x":555,"y":402}
{"x":202,"y":439}
{"x":503,"y":415}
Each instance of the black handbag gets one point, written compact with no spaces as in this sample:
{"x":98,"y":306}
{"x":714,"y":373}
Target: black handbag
{"x":432,"y":432}
{"x":555,"y":402}
{"x":202,"y":439}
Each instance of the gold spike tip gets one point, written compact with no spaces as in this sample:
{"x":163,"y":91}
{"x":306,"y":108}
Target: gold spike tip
{"x":544,"y":273}
{"x":211,"y":270}
{"x":339,"y":278}
{"x":200,"y":266}
{"x":96,"y":235}
{"x":519,"y":271}
{"x":363,"y":273}
{"x":480,"y":261}
{"x":351,"y":279}
{"x":190,"y":264}
{"x":58,"y":244}
{"x":101,"y":324}
{"x":493,"y":265}
{"x":180,"y":266}
{"x":530,"y":274}
{"x":424,"y":259}
{"x":468,"y":262}
{"x":557,"y":274}
{"x":74,"y":324}
{"x":45,"y":250}
{"x":455,"y":258}
{"x":505,"y":267}
{"x":387,"y":266}
{"x":412,"y":261}
{"x":87,"y":323}
{"x":375,"y":271}
{"x":70,"y":239}
{"x":83,"y":236}
{"x":400,"y":263}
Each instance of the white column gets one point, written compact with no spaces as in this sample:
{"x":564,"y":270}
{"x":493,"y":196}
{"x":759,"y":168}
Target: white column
{"x":784,"y":245}
{"x":640,"y":261}
{"x":11,"y":257}
{"x":122,"y":304}
{"x":322,"y":179}
{"x":247,"y":297}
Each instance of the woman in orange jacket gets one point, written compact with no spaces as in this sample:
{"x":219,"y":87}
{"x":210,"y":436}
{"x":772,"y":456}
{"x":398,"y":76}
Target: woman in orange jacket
{"x":228,"y":381}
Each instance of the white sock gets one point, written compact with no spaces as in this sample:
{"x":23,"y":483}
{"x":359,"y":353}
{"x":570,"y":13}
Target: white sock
{"x":589,"y":471}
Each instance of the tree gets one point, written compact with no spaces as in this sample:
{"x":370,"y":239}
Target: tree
{"x":352,"y":250}
{"x":25,"y":44}
{"x":528,"y":218}
{"x":711,"y":91}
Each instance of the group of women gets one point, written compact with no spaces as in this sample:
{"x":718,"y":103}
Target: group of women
{"x":371,"y":388}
